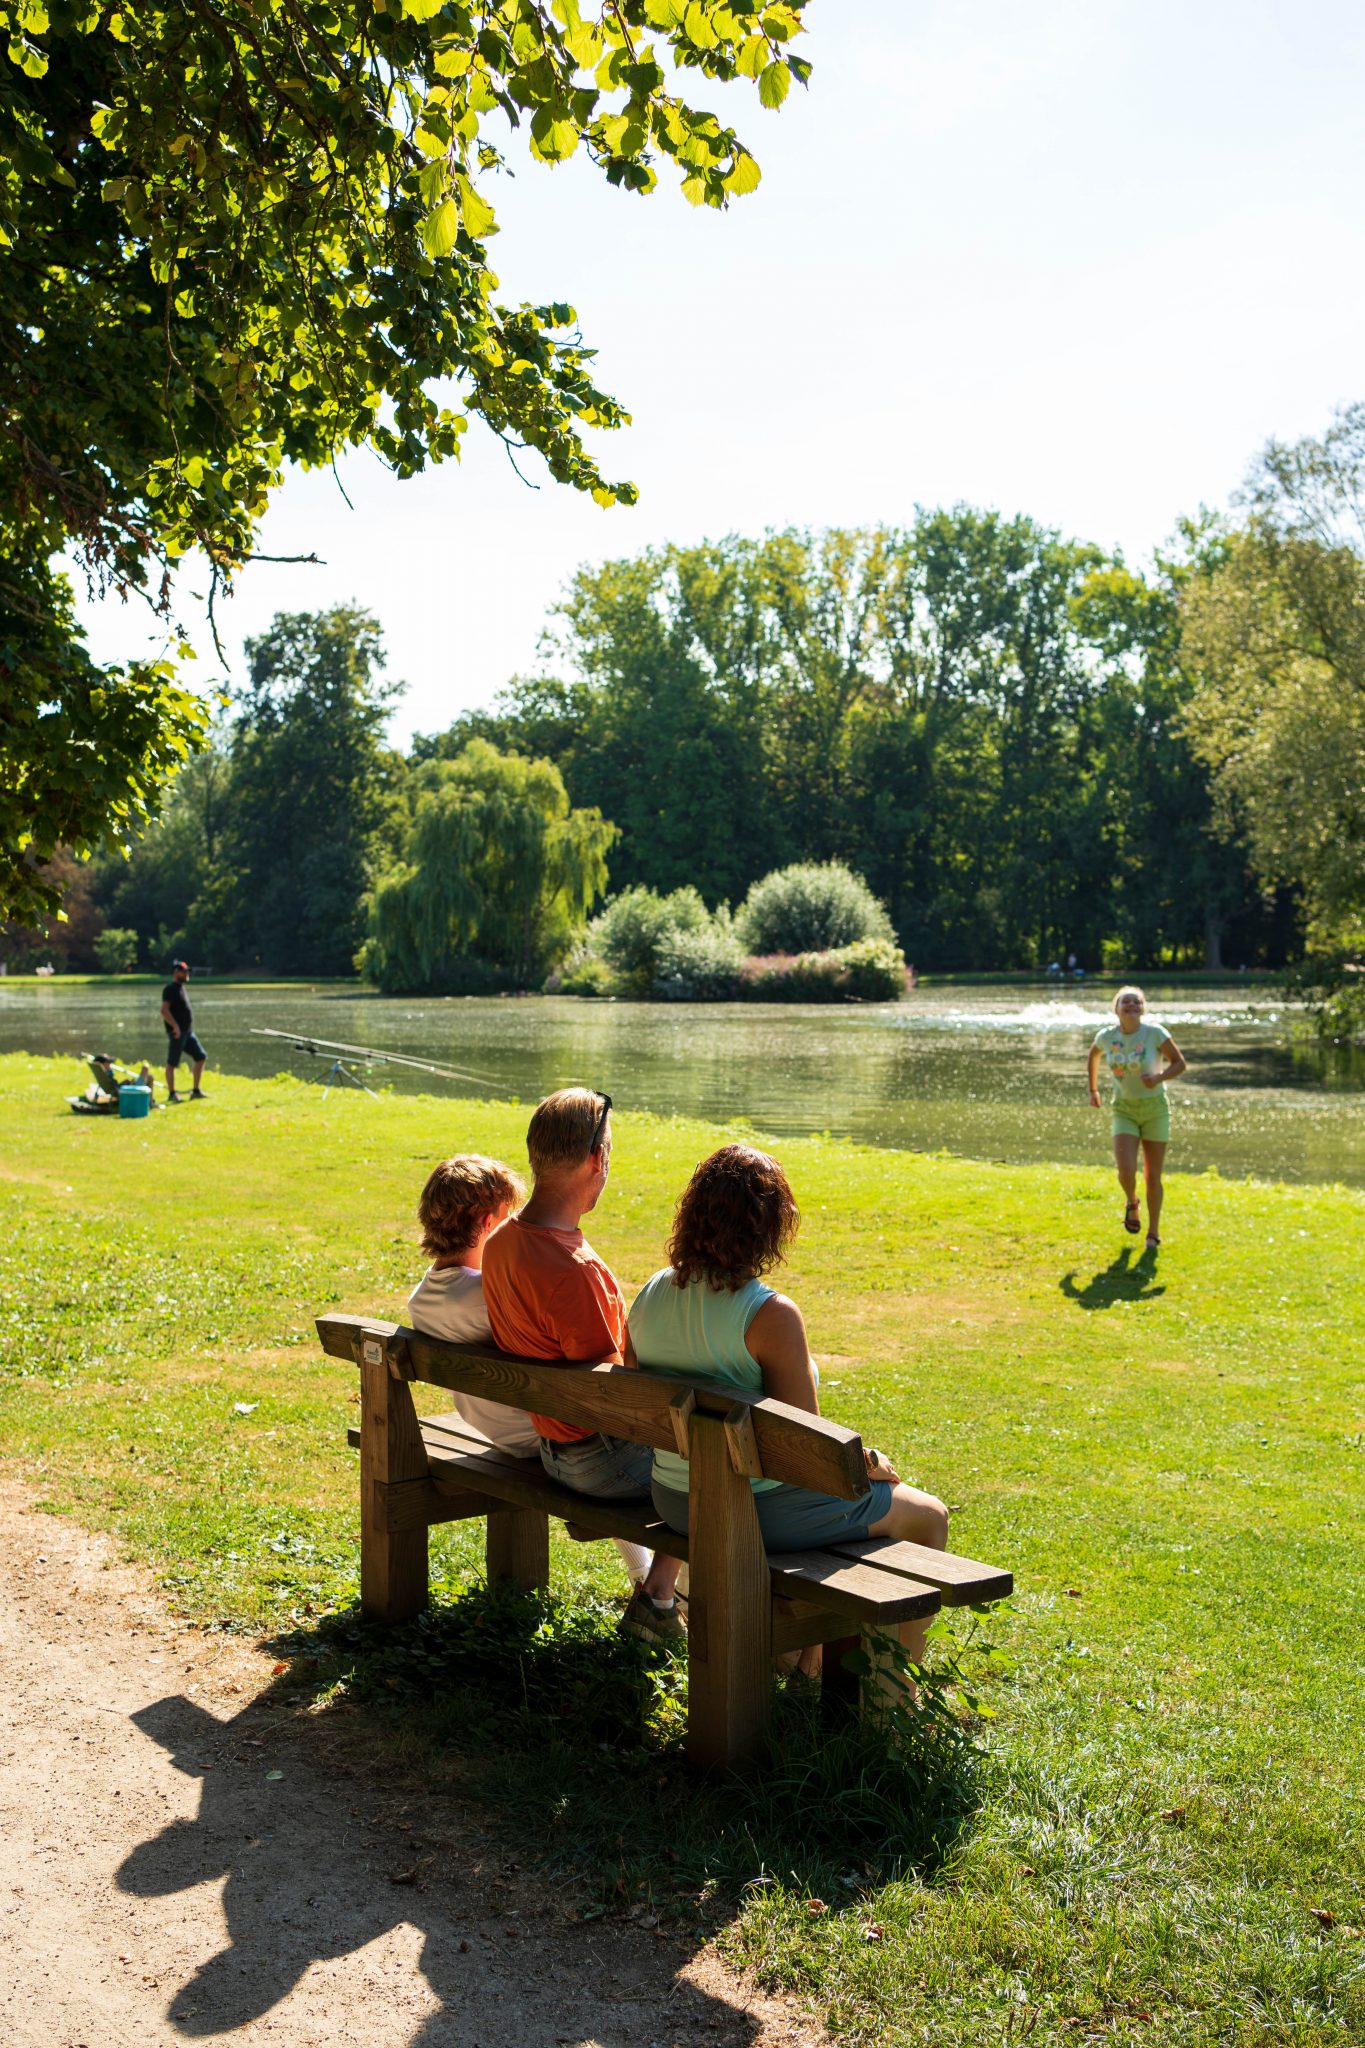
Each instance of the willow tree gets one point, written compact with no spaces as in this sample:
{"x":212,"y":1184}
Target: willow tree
{"x":499,"y":875}
{"x":238,"y":234}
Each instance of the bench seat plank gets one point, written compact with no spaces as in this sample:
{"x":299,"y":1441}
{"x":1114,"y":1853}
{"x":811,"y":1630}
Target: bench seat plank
{"x":961,"y":1581}
{"x":859,"y":1590}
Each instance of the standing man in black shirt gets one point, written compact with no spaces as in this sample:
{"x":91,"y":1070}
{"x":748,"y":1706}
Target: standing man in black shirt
{"x":178,"y":1019}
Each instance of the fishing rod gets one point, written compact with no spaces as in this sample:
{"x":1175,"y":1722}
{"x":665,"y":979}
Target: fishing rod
{"x":344,"y":1057}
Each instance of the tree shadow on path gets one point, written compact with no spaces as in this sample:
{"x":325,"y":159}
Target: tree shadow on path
{"x":319,"y":1866}
{"x":1127,"y":1279}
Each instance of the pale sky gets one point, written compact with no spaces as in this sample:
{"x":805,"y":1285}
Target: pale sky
{"x":1074,"y":258}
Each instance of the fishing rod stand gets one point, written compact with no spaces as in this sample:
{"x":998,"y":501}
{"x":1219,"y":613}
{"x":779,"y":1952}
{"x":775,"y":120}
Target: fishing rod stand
{"x":342,"y":1070}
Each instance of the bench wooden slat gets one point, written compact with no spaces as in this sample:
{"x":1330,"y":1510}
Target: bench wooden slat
{"x":851,"y":1588}
{"x":961,"y":1580}
{"x":521,"y":1482}
{"x":804,"y":1450}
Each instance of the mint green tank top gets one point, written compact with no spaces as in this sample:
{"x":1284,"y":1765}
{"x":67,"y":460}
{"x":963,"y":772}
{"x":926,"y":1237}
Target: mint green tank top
{"x":698,"y":1330}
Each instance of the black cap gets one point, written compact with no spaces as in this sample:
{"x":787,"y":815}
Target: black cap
{"x":180,"y":963}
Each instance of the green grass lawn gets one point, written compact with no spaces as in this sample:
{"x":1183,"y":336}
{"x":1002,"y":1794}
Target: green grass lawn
{"x":1167,"y":1799}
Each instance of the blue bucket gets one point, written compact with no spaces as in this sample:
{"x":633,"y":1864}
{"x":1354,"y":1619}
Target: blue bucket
{"x":135,"y":1101}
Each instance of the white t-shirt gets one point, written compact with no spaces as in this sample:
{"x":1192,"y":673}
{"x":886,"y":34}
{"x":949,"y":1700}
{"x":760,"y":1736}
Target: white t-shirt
{"x":448,"y":1302}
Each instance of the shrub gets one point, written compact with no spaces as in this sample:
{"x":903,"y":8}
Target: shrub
{"x":703,"y":966}
{"x":874,"y":971}
{"x":870,"y":971}
{"x":812,"y":907}
{"x":584,"y":975}
{"x":116,"y":949}
{"x":635,"y":925}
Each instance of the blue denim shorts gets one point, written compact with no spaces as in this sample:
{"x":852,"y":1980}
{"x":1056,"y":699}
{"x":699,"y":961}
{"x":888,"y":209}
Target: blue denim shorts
{"x":791,"y":1517}
{"x":176,"y":1048}
{"x":608,"y":1466}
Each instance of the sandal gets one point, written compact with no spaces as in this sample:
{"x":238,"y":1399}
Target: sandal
{"x":1132,"y":1220}
{"x":1153,"y":1243}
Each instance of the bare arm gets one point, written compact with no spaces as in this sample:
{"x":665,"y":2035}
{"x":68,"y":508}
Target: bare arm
{"x":169,"y":1019}
{"x":628,"y":1357}
{"x":1175,"y":1064}
{"x":776,"y":1341}
{"x":1093,"y":1071}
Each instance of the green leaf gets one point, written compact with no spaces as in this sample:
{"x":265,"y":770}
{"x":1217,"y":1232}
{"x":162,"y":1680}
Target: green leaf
{"x":479,"y":217}
{"x":422,"y":10}
{"x":745,"y":176}
{"x":440,"y":228}
{"x":774,"y":85}
{"x":697,"y":27}
{"x":551,"y":138}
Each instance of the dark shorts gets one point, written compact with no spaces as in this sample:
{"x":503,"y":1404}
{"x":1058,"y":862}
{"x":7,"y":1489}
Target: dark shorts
{"x":176,"y":1048}
{"x":791,"y":1517}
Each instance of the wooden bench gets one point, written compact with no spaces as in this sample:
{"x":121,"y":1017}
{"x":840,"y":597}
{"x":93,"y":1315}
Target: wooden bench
{"x":743,"y":1605}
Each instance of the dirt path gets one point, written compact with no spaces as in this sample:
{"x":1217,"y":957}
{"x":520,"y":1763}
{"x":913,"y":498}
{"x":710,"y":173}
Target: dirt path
{"x":175,"y":1865}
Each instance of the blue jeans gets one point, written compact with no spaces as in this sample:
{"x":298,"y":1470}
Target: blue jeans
{"x":608,"y":1466}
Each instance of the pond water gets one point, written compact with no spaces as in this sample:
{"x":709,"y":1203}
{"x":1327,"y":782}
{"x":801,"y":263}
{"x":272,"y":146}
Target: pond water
{"x":992,"y":1072}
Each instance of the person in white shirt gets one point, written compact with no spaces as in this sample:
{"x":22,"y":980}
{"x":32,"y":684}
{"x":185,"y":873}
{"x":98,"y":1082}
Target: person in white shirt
{"x":462,"y":1204}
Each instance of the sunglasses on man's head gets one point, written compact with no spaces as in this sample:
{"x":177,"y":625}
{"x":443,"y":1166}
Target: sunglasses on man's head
{"x":601,"y":1124}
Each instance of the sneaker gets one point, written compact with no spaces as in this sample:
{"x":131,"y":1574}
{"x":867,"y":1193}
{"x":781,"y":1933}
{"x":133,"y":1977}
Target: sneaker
{"x":173,"y":1097}
{"x":198,"y":1095}
{"x":645,"y":1617}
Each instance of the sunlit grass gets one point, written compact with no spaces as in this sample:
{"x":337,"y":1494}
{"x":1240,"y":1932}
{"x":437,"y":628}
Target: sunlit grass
{"x":1172,"y":1460}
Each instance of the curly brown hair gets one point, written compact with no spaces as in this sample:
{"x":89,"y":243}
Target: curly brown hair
{"x":458,"y":1195}
{"x":734,"y":1220}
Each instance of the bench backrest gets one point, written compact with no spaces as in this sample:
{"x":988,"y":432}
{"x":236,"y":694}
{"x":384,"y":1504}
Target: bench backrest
{"x":768,"y":1439}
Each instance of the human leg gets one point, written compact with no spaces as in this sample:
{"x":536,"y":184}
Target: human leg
{"x":614,"y":1469}
{"x":1125,"y":1164}
{"x":914,"y":1517}
{"x":1153,"y":1160}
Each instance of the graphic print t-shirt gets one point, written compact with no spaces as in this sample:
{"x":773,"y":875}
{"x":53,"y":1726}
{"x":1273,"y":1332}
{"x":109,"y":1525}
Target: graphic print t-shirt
{"x":1131,"y":1054}
{"x":178,"y":1003}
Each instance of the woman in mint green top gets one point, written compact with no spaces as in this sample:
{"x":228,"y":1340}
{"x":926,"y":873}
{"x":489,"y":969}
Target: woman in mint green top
{"x":1140,"y":1113}
{"x":710,"y":1313}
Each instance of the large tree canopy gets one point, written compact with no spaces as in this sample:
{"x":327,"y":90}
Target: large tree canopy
{"x":242,"y":233}
{"x":1275,"y":636}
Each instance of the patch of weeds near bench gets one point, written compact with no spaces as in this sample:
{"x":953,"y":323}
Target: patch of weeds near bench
{"x":570,"y":1738}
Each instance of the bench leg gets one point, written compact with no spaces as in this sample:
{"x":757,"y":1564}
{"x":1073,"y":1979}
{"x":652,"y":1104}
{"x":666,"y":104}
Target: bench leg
{"x":393,"y":1563}
{"x":729,"y":1614}
{"x":518,"y":1548}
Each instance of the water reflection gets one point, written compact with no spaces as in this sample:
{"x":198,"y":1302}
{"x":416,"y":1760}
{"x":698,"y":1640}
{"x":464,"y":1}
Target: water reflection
{"x":992,"y":1072}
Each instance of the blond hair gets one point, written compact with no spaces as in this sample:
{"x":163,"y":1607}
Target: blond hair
{"x":561,"y":1132}
{"x":458,"y":1195}
{"x":1129,"y":989}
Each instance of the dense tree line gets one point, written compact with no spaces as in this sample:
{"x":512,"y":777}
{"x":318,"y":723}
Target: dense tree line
{"x":1024,"y":747}
{"x":984,"y":720}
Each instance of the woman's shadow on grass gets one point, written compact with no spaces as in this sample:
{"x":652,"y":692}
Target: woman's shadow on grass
{"x":1127,"y":1279}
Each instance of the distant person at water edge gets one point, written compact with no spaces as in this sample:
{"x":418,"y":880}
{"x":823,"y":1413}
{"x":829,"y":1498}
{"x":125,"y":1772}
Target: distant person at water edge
{"x":1133,"y":1050}
{"x":549,"y":1296}
{"x":178,"y":1019}
{"x":462,"y":1204}
{"x":710,"y":1313}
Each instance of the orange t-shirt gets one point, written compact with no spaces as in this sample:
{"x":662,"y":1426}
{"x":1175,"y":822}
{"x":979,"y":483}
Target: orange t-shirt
{"x":548,"y":1295}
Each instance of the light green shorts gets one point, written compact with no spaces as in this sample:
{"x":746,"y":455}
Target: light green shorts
{"x":1149,"y":1118}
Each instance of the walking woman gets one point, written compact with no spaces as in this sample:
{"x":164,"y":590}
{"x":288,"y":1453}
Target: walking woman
{"x":709,"y":1312}
{"x":1134,"y":1051}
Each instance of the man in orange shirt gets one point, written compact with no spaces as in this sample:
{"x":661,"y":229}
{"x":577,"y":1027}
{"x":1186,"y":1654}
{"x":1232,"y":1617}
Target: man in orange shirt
{"x":548,"y":1295}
